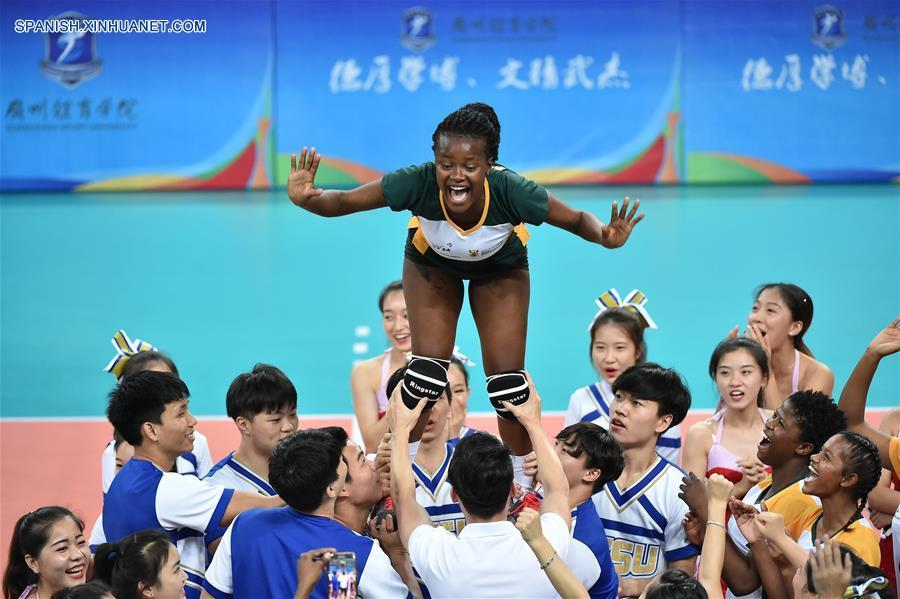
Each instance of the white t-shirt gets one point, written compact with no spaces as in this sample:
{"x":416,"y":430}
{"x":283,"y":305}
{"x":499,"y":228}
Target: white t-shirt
{"x":591,"y":404}
{"x":488,"y":560}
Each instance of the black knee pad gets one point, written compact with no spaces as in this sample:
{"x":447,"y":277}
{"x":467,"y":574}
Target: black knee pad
{"x":511,"y":386}
{"x":425,"y":378}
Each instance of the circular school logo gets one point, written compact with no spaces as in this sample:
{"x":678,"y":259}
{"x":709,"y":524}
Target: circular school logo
{"x":70,"y":56}
{"x":418,"y":29}
{"x":828,"y":27}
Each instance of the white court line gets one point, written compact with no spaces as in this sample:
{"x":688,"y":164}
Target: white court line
{"x":337,"y":416}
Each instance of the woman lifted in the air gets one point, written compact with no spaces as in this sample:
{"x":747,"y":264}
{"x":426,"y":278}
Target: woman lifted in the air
{"x":469,"y":216}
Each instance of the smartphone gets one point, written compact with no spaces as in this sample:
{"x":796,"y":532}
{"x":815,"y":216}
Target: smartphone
{"x":342,"y":576}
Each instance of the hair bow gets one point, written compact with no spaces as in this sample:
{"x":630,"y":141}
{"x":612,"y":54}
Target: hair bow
{"x":867,"y":588}
{"x":633,"y":302}
{"x":125,"y":349}
{"x":462,"y":357}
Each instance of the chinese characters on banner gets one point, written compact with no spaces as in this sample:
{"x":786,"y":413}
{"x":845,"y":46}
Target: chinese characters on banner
{"x":46,"y":113}
{"x":760,"y":75}
{"x":580,"y":71}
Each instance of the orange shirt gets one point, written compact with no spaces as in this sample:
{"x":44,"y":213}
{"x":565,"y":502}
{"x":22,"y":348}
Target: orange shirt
{"x":790,"y":502}
{"x":894,"y":452}
{"x":859,"y":537}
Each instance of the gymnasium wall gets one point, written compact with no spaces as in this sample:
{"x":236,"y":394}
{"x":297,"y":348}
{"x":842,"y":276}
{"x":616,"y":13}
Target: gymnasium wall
{"x":587,"y":92}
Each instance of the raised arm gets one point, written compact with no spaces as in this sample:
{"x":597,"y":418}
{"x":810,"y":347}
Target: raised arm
{"x":410,"y":515}
{"x":302,"y":190}
{"x":853,"y":397}
{"x":589,"y":227}
{"x":556,"y":487}
{"x":719,"y":490}
{"x":242,"y":501}
{"x":561,"y":577}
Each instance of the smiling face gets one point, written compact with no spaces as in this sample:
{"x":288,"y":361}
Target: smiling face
{"x":739,"y":379}
{"x":636,"y":421}
{"x":395,"y":321}
{"x":781,"y":437}
{"x":63,"y":560}
{"x":461,"y":165}
{"x":266,"y":429}
{"x":827,"y":469}
{"x":175,"y":432}
{"x":170,"y":584}
{"x":612,"y":351}
{"x":772,"y":316}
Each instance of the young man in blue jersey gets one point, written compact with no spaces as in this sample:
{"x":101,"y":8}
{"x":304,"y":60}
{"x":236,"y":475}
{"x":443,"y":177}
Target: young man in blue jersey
{"x":590,"y":458}
{"x":263,"y":405}
{"x":258,"y":554}
{"x":150,"y":411}
{"x":640,"y":510}
{"x":488,"y":557}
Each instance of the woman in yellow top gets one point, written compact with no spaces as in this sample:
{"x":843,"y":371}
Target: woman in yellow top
{"x":841,"y":476}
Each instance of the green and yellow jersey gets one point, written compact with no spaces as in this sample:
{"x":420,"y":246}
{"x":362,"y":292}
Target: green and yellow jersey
{"x":496,"y":242}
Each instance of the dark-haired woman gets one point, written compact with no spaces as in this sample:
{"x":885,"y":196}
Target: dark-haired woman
{"x":145,"y":564}
{"x":48,"y":552}
{"x":726,"y":444}
{"x":617,"y":344}
{"x":781,"y":315}
{"x":368,"y":379}
{"x":469,"y":224}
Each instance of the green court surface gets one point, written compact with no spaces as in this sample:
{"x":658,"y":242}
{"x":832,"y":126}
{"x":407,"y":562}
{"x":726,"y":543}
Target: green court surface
{"x":222,"y":280}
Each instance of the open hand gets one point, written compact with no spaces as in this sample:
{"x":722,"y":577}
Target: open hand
{"x":386,"y":532}
{"x":401,"y":420}
{"x":830,"y":573}
{"x":754,"y":333}
{"x":887,"y":341}
{"x":621,"y":223}
{"x":528,"y":413}
{"x":301,"y":183}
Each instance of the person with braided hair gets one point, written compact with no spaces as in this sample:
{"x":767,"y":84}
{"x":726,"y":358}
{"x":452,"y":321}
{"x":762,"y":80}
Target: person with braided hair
{"x":469,"y":217}
{"x":841,"y":476}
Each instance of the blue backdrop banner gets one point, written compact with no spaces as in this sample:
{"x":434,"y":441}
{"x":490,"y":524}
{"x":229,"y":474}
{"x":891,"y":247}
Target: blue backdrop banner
{"x":193,"y":95}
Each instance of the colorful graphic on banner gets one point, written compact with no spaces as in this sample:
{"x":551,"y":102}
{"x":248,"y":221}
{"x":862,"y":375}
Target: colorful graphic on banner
{"x":581,"y":98}
{"x":796,"y":92}
{"x":137,"y":110}
{"x":587,"y":93}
